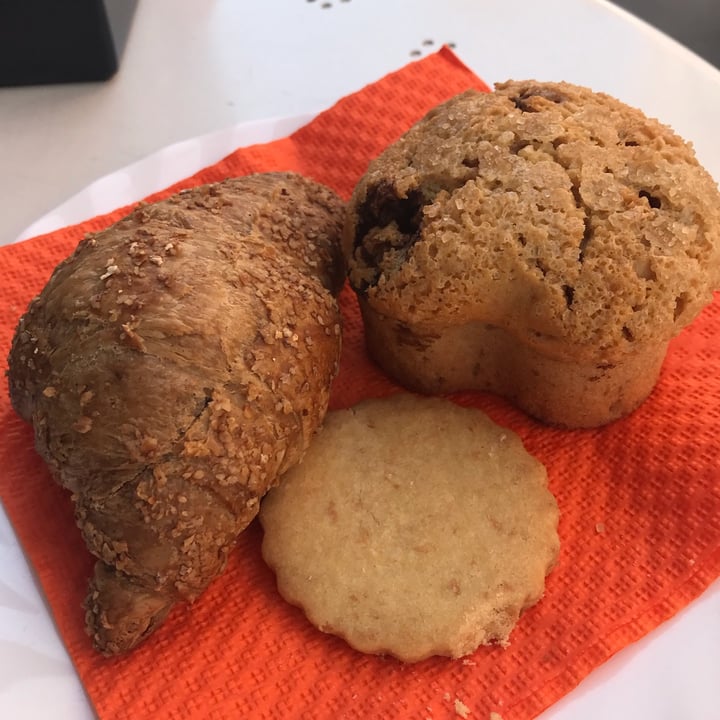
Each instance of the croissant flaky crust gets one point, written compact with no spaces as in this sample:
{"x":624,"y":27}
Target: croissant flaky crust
{"x":173,"y":368}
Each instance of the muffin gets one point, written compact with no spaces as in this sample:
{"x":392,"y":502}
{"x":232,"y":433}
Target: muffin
{"x":543,"y":242}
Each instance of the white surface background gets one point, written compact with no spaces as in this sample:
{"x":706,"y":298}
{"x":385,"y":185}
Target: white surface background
{"x":193,"y":67}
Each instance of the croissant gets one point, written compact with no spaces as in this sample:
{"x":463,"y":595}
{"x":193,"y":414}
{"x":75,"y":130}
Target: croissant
{"x":173,"y":367}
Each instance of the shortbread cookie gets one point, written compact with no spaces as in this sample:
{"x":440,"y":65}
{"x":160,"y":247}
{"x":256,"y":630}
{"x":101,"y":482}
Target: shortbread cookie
{"x":413,"y":527}
{"x":542,"y":241}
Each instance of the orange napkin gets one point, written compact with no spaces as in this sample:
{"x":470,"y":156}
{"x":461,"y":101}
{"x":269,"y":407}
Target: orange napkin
{"x":640,"y":503}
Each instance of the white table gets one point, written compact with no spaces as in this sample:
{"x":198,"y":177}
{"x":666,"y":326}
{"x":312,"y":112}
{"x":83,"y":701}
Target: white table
{"x":193,"y":67}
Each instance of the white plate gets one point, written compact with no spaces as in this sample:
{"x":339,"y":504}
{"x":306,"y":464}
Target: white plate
{"x":160,"y":170}
{"x":675,"y":671}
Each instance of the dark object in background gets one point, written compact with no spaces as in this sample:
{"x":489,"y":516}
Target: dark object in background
{"x":694,"y":23}
{"x":59,"y":41}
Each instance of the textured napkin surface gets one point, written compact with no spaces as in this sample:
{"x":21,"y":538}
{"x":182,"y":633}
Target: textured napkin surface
{"x":639,"y":500}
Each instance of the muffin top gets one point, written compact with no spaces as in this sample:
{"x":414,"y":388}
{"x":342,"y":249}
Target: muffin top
{"x":559,"y":213}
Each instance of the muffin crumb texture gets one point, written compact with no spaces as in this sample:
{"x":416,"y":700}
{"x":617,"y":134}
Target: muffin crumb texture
{"x":569,"y":230}
{"x":587,"y":221}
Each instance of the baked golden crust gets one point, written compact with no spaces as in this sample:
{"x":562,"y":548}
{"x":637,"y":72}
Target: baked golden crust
{"x":576,"y":225}
{"x":172,"y":368}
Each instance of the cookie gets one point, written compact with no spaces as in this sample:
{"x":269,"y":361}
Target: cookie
{"x":413,"y":527}
{"x":543,"y":241}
